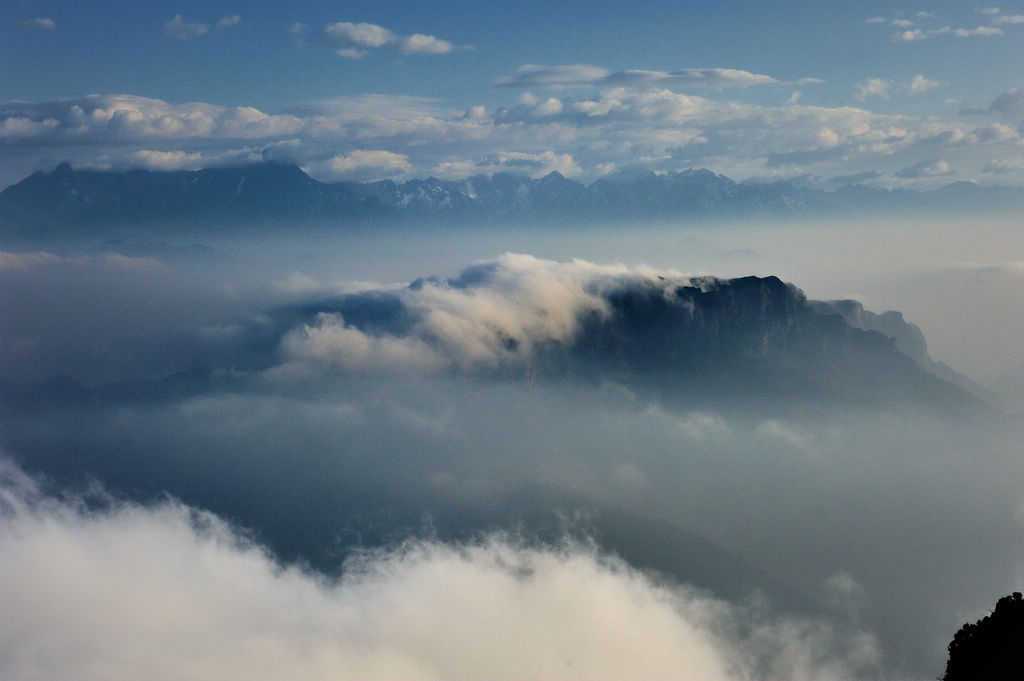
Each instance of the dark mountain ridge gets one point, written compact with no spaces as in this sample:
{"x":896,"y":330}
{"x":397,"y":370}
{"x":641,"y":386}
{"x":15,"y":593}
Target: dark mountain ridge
{"x":753,"y":343}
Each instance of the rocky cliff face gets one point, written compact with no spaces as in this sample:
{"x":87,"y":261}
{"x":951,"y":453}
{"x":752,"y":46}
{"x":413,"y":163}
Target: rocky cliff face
{"x":908,"y":339}
{"x":756,"y":338}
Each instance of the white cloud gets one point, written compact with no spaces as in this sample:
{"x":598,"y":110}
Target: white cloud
{"x":921,"y":84}
{"x":356,"y":39}
{"x":38,"y":24}
{"x":911,"y":35}
{"x":361,"y":35}
{"x":988,"y":10}
{"x":179,"y":29}
{"x":548,"y":107}
{"x":1009,"y":19}
{"x":229,"y":21}
{"x":980,"y":30}
{"x":418,"y":43}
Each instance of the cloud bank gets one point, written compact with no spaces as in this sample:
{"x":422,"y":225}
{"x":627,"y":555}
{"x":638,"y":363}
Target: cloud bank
{"x":133,"y":592}
{"x":642,"y":123}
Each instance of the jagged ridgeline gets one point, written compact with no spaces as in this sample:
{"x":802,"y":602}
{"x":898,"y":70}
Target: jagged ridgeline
{"x":272,"y":193}
{"x":754,"y":343}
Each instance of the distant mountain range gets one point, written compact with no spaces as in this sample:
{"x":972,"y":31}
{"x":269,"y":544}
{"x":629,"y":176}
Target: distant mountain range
{"x":88,"y":201}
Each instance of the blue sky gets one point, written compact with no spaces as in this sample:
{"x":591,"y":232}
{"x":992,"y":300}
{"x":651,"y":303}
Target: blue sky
{"x":893,"y":96}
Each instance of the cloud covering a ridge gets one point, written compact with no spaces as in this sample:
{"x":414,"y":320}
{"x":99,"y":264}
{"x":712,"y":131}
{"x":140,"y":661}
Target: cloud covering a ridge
{"x":326,"y":417}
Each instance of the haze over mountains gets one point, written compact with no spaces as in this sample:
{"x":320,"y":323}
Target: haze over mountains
{"x":273,"y":193}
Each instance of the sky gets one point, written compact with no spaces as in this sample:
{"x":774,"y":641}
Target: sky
{"x":824,"y":94}
{"x":270,"y":455}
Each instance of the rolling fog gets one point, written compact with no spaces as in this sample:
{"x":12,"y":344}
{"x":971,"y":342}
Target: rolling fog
{"x":276,"y":458}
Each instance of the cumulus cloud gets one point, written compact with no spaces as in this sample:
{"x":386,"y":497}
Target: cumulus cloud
{"x":533,"y":75}
{"x":134,"y":592}
{"x":179,"y":29}
{"x":418,"y":43}
{"x":1008,"y":19}
{"x":355,"y":40}
{"x":229,"y":21}
{"x":38,"y":24}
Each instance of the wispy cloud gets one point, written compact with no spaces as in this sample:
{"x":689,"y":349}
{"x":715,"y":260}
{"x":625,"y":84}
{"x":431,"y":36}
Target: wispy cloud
{"x":38,"y":24}
{"x":571,"y":75}
{"x":913,"y":32}
{"x":179,"y":29}
{"x":916,"y":34}
{"x":229,"y":21}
